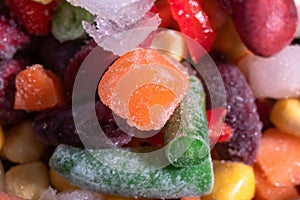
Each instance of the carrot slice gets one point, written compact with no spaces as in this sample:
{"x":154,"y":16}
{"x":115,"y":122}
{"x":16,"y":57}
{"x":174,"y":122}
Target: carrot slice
{"x":143,"y":87}
{"x":264,"y":190}
{"x":38,"y":89}
{"x":279,"y":158}
{"x":4,"y":196}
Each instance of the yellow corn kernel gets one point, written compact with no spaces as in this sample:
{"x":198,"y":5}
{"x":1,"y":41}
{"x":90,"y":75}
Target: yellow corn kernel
{"x":171,"y":43}
{"x":59,"y":183}
{"x":43,"y":1}
{"x":21,"y":145}
{"x":27,"y":180}
{"x":285,"y":115}
{"x":1,"y":137}
{"x":233,"y":180}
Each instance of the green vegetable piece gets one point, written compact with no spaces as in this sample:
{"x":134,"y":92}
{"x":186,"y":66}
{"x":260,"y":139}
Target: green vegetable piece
{"x":186,"y":133}
{"x":67,"y":22}
{"x":126,"y":173}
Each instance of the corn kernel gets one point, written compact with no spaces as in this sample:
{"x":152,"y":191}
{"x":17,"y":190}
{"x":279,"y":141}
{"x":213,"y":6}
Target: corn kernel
{"x":171,"y":43}
{"x":59,"y":183}
{"x":43,"y":1}
{"x":27,"y":180}
{"x":21,"y":145}
{"x":233,"y":180}
{"x":285,"y":115}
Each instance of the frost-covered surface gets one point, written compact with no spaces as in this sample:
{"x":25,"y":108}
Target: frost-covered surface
{"x":85,"y":169}
{"x":274,"y":77}
{"x":51,"y":194}
{"x":115,"y":16}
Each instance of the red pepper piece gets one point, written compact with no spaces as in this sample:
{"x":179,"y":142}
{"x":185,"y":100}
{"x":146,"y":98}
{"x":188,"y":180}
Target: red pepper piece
{"x":193,"y":22}
{"x":214,"y":118}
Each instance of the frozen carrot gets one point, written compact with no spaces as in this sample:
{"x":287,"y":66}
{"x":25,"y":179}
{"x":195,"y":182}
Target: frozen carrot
{"x":279,"y":157}
{"x":264,"y":190}
{"x":38,"y":89}
{"x":144,"y":88}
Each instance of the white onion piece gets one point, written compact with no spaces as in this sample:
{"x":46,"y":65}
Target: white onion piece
{"x":117,"y":16}
{"x":122,"y":12}
{"x":122,"y":41}
{"x":275,"y":77}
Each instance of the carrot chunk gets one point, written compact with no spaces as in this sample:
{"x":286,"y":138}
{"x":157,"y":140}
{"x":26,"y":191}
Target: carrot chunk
{"x":38,"y":89}
{"x":279,"y":157}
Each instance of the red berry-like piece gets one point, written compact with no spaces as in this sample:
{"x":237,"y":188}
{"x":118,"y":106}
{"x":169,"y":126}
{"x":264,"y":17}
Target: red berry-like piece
{"x":218,"y":130}
{"x":241,"y":115}
{"x":265,"y":26}
{"x":193,"y":22}
{"x":34,"y":16}
{"x":74,"y":65}
{"x":8,"y":72}
{"x":11,"y":38}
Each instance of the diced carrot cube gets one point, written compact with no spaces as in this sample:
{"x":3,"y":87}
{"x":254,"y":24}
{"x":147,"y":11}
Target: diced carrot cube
{"x":38,"y":89}
{"x":264,"y":190}
{"x":279,"y":157}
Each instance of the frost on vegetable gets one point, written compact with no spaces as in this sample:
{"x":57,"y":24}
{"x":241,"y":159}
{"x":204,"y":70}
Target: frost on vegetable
{"x":66,"y":28}
{"x":113,"y":17}
{"x":275,"y":77}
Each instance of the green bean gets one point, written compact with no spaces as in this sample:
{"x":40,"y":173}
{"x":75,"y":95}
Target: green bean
{"x":186,"y":133}
{"x":121,"y":172}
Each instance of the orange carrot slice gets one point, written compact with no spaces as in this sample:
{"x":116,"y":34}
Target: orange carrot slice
{"x":264,"y":190}
{"x":190,"y":198}
{"x":144,"y":88}
{"x":38,"y":89}
{"x":4,"y":196}
{"x":279,"y":158}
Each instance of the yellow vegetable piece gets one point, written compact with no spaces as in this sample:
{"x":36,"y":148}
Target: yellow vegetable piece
{"x":43,"y":1}
{"x":171,"y":43}
{"x":1,"y":137}
{"x":27,"y":180}
{"x":233,"y":180}
{"x":60,"y":183}
{"x":285,"y":115}
{"x":21,"y":145}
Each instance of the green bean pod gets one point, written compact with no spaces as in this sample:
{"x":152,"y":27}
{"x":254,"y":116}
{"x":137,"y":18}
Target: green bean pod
{"x":186,"y":133}
{"x":120,"y":172}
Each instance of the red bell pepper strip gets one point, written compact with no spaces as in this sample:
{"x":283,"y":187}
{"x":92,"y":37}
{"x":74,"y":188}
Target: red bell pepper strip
{"x":193,"y":22}
{"x":217,"y":134}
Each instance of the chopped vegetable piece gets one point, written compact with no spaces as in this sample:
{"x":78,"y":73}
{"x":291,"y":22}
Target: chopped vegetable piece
{"x":193,"y":22}
{"x":264,"y":190}
{"x":59,"y":183}
{"x":217,"y":134}
{"x":144,"y":88}
{"x":171,"y":43}
{"x":186,"y":132}
{"x":241,"y":115}
{"x":27,"y":180}
{"x":34,"y":16}
{"x":66,"y":28}
{"x":126,"y":173}
{"x":285,"y":116}
{"x":233,"y":180}
{"x":279,"y":157}
{"x":21,"y":145}
{"x":38,"y":89}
